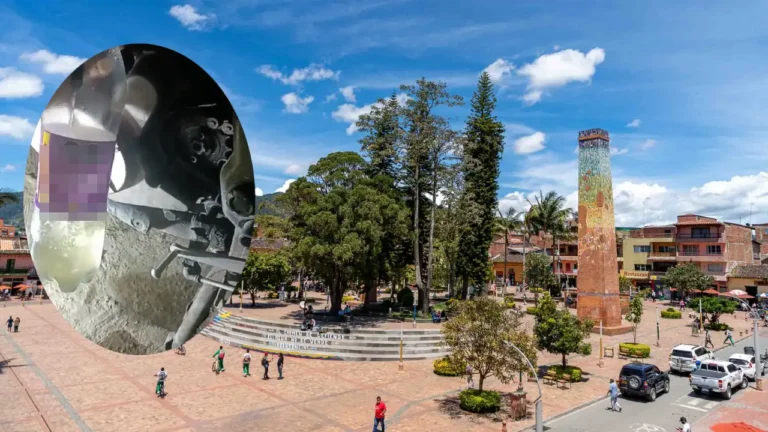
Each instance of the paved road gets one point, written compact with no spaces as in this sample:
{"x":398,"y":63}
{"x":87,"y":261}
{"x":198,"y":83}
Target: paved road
{"x":663,"y":415}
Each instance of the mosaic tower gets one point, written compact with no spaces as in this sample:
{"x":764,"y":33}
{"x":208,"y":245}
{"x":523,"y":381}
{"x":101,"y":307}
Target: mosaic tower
{"x":598,"y":287}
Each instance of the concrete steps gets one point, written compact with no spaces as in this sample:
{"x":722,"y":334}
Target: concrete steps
{"x":331,"y":343}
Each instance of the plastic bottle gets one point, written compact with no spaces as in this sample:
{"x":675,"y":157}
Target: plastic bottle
{"x":77,"y":149}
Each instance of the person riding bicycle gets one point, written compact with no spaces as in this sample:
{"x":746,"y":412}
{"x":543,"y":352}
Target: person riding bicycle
{"x":180,"y":350}
{"x":160,"y":387}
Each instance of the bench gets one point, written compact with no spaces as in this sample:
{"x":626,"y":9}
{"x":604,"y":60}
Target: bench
{"x":565,"y":379}
{"x":606,"y":350}
{"x":625,"y":353}
{"x":550,"y":376}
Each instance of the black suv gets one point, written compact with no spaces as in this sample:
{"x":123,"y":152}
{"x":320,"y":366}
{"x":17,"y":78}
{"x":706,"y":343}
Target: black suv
{"x":641,"y":379}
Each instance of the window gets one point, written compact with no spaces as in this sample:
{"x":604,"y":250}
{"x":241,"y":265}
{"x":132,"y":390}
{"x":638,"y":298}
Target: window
{"x":700,"y":352}
{"x":715,"y":268}
{"x":575,"y":266}
{"x":690,"y":250}
{"x":766,"y":231}
{"x":714,"y":250}
{"x":642,"y":267}
{"x":667,"y":249}
{"x":699,"y":232}
{"x":10,"y":264}
{"x":667,"y":232}
{"x":731,"y":368}
{"x":642,"y":249}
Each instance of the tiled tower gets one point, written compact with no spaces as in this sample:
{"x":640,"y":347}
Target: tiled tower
{"x":598,"y":287}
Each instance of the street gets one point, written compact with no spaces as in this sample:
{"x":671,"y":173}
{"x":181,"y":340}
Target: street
{"x":663,"y":415}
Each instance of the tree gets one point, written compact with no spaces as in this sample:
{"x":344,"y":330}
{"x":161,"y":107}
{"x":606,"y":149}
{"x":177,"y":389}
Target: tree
{"x":8,"y":197}
{"x":265,"y":271}
{"x":559,"y":332}
{"x":687,"y":278}
{"x":538,"y":273}
{"x":714,"y":306}
{"x":635,"y":313}
{"x":549,"y":215}
{"x":483,"y":147}
{"x":624,"y":284}
{"x":507,"y":223}
{"x":477,"y":335}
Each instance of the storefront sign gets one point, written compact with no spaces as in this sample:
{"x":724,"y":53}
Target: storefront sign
{"x":636,"y":274}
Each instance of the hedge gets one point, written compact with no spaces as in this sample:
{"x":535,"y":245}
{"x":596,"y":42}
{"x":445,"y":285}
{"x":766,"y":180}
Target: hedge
{"x":717,"y":326}
{"x":347,"y":299}
{"x":532,"y":310}
{"x":573,"y":371}
{"x":671,"y":314}
{"x":642,"y":350}
{"x":447,"y":367}
{"x":479,"y":402}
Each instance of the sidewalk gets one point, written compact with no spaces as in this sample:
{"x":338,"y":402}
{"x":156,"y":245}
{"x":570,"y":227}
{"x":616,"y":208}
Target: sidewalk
{"x":751,"y":408}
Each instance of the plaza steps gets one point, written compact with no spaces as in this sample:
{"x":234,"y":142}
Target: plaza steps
{"x":332,"y":343}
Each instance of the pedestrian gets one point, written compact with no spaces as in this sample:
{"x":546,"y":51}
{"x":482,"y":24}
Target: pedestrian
{"x":247,"y":363}
{"x":10,"y":323}
{"x":708,"y":339}
{"x":470,"y":381}
{"x":525,"y":298}
{"x":219,"y":356}
{"x":380,"y":412}
{"x":16,"y":323}
{"x":613,"y":390}
{"x":160,"y":387}
{"x":682,"y":305}
{"x":280,"y":360}
{"x":728,"y":336}
{"x":686,"y":426}
{"x":265,"y":365}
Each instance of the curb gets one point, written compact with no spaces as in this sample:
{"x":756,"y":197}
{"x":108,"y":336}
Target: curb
{"x":600,"y":398}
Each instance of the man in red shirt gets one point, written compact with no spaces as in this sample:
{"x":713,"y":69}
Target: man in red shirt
{"x":381,"y":411}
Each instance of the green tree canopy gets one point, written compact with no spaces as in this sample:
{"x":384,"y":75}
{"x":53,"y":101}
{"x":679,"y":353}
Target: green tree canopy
{"x":714,"y":307}
{"x":687,"y":278}
{"x":477,"y":335}
{"x":559,"y":332}
{"x":635,"y":313}
{"x":265,"y":271}
{"x":538,"y":271}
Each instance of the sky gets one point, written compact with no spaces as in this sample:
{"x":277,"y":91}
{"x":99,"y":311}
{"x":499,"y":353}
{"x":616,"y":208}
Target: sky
{"x":680,"y":86}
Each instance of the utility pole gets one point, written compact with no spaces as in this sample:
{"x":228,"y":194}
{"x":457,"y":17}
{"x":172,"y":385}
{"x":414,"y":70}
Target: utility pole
{"x":758,"y":361}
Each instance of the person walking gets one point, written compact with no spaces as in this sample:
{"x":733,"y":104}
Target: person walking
{"x":280,"y":360}
{"x":219,"y":356}
{"x":16,"y":323}
{"x":10,"y":323}
{"x":613,"y":390}
{"x":380,"y":411}
{"x":728,"y":336}
{"x":160,"y":387}
{"x":686,"y":427}
{"x":265,"y":365}
{"x":708,"y":339}
{"x":247,"y":363}
{"x":470,"y":381}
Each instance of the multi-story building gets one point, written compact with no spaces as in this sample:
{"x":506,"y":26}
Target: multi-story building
{"x":761,"y":237}
{"x":648,"y":253}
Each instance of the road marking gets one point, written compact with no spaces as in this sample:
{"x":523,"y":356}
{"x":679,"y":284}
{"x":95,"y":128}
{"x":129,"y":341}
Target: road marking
{"x":691,"y":407}
{"x":645,"y":427}
{"x":711,"y":405}
{"x":694,"y":402}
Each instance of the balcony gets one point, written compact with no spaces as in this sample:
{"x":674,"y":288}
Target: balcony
{"x":15,"y":271}
{"x":711,"y":237}
{"x":662,"y":256}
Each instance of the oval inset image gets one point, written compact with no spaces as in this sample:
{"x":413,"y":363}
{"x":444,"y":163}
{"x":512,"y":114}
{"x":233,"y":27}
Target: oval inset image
{"x":139,"y":199}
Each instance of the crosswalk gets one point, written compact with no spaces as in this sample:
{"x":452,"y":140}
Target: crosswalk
{"x":697,"y":404}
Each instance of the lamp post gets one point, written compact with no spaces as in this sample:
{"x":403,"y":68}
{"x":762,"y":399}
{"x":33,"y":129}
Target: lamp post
{"x":758,"y":361}
{"x":537,"y":402}
{"x":658,"y":332}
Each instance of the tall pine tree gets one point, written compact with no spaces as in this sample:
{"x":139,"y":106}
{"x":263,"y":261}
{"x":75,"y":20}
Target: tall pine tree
{"x":484,"y":144}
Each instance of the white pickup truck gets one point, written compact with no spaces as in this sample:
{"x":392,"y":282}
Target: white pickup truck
{"x":716,"y":376}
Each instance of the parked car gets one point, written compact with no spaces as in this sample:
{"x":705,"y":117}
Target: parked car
{"x":717,"y":376}
{"x":746,"y":362}
{"x":683,"y":357}
{"x":642,"y":379}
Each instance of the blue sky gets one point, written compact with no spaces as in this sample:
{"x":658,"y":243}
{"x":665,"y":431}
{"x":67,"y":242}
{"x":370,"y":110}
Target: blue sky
{"x":681,"y":86}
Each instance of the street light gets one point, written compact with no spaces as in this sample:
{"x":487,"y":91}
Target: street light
{"x":537,"y":402}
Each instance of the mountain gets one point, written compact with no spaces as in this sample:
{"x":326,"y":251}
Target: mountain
{"x":13,"y":213}
{"x":267,"y":205}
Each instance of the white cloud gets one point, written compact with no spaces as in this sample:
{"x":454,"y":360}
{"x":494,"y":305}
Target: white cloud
{"x":648,"y":144}
{"x":54,"y":63}
{"x":15,"y":127}
{"x":295,"y":104}
{"x":349,"y":113}
{"x":190,"y":18}
{"x":556,"y":47}
{"x":530,"y":143}
{"x":8,"y":168}
{"x":15,"y":84}
{"x":313,"y":72}
{"x":634,"y":123}
{"x":293,"y":169}
{"x":259,"y":192}
{"x":515,"y":200}
{"x":615,"y":151}
{"x":285,"y":186}
{"x":331,"y":97}
{"x":499,"y":70}
{"x":558,"y":69}
{"x":518,"y":129}
{"x":348,"y":93}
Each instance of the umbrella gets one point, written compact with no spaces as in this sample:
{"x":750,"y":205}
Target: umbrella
{"x":763,"y":295}
{"x":22,"y":287}
{"x":4,"y":287}
{"x":711,"y":292}
{"x":735,"y":427}
{"x":737,"y":293}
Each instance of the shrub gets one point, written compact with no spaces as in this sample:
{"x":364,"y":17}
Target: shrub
{"x":347,"y":299}
{"x":509,"y":302}
{"x":532,"y":310}
{"x":451,"y":305}
{"x":272,"y":295}
{"x":638,"y":349}
{"x":671,"y":310}
{"x":405,"y":297}
{"x":448,"y":367}
{"x":671,"y":314}
{"x":479,"y":402}
{"x":717,"y":326}
{"x":573,"y":371}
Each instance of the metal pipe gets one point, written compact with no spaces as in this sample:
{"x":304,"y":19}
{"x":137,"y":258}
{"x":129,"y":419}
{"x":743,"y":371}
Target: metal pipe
{"x":537,"y":402}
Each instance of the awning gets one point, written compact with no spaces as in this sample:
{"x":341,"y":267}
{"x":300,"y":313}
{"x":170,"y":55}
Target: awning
{"x":711,"y":292}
